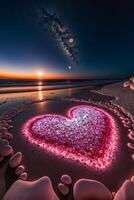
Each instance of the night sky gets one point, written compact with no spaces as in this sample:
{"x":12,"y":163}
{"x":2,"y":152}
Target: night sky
{"x":104,"y":31}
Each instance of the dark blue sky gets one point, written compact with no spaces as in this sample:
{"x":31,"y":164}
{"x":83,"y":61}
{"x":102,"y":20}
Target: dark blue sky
{"x":104,"y":31}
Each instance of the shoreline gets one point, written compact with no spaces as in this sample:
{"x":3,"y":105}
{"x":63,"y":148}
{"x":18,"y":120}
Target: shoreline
{"x":47,"y":87}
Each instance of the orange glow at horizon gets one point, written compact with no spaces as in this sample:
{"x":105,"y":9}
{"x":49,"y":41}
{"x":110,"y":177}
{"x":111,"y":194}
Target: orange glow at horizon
{"x":37,"y":76}
{"x":29,"y":76}
{"x":38,"y":73}
{"x":26,"y":73}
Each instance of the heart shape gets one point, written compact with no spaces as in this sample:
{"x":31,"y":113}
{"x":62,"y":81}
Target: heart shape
{"x":88,"y":134}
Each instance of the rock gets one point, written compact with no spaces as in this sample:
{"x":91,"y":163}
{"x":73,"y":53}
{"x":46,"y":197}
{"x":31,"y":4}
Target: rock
{"x":66,"y":179}
{"x":19,"y":170}
{"x":126,"y":84}
{"x":126,"y":192}
{"x":86,"y":189}
{"x":38,"y":190}
{"x":6,"y":150}
{"x":15,"y":160}
{"x":64,"y":189}
{"x":132,"y":86}
{"x":132,"y":78}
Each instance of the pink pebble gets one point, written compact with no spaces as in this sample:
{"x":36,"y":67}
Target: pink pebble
{"x":6,"y":150}
{"x":15,"y":160}
{"x":23,"y":176}
{"x":131,"y":136}
{"x":130,"y":145}
{"x":126,"y":84}
{"x":66,"y":179}
{"x":64,"y":189}
{"x":19,"y":170}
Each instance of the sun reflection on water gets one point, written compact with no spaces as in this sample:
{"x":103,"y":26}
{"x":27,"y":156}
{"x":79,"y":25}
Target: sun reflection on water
{"x":40,"y":91}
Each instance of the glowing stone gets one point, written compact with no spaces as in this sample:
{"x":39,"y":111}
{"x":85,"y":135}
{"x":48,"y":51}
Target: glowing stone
{"x":88,"y":134}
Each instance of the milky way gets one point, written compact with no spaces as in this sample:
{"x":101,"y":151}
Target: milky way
{"x":88,"y":135}
{"x":61,"y":33}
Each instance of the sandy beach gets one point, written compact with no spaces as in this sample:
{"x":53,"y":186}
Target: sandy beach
{"x":39,"y":162}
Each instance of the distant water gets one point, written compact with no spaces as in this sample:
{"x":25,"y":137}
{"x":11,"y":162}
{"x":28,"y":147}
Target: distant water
{"x":13,"y":85}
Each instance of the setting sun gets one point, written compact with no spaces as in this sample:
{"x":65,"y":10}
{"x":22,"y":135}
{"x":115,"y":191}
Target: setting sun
{"x":40,"y":74}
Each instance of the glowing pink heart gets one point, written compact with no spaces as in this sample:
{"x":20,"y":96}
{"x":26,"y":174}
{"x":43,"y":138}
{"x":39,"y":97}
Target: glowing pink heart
{"x":88,"y":134}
